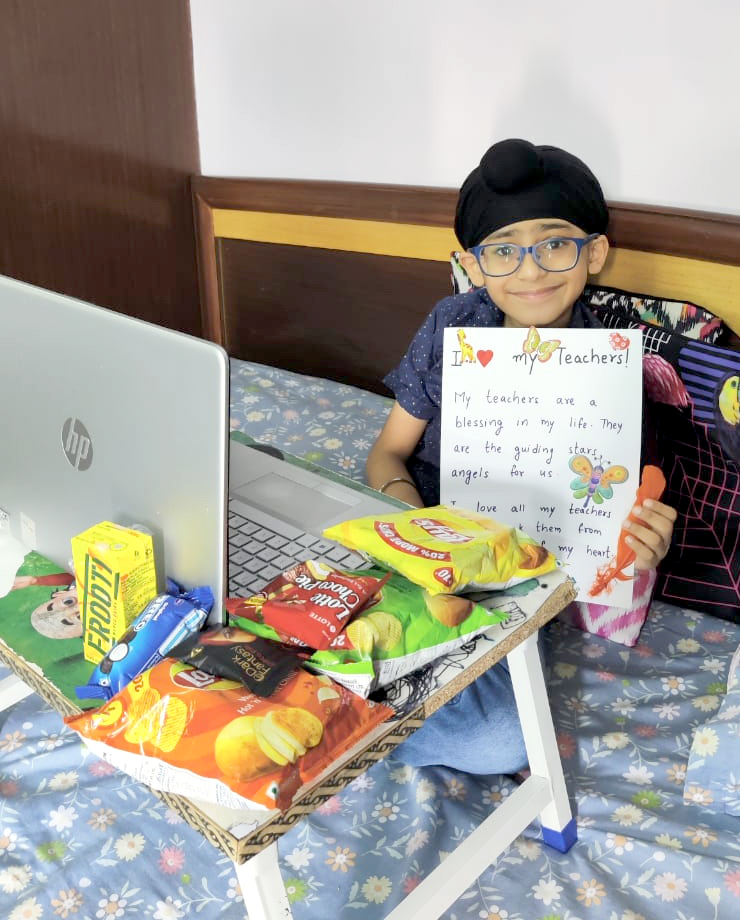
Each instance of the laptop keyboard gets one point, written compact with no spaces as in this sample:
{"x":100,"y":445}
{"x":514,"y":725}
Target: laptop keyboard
{"x":261,"y":547}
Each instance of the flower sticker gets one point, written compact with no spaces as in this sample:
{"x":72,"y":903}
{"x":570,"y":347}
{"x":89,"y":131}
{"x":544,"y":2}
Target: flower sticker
{"x":618,"y":342}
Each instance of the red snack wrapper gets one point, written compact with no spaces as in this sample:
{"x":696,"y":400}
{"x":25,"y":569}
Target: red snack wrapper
{"x":311,"y":603}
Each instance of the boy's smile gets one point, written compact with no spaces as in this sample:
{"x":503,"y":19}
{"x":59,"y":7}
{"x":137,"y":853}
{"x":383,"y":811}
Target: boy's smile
{"x":532,"y":296}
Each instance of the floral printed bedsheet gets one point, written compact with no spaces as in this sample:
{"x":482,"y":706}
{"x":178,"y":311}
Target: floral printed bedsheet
{"x":80,"y":841}
{"x":331,"y":424}
{"x":714,"y":761}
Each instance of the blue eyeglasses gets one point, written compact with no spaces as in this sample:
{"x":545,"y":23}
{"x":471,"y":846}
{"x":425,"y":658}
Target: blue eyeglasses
{"x":555,"y":254}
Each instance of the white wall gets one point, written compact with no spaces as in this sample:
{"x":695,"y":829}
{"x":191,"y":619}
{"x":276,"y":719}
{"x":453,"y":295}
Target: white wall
{"x":414,"y":91}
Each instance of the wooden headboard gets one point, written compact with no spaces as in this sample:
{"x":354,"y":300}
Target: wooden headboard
{"x":333,"y":278}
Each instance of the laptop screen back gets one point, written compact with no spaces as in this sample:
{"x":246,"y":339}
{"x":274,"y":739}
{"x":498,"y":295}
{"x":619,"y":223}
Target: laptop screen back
{"x":106,"y":417}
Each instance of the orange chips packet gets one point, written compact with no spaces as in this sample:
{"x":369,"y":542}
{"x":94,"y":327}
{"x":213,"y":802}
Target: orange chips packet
{"x":446,"y":550}
{"x":179,"y":729}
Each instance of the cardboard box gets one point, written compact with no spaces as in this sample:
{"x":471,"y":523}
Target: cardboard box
{"x":116,"y":579}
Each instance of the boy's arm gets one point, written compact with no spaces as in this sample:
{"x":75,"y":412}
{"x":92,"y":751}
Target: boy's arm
{"x":651,"y":537}
{"x":387,"y":458}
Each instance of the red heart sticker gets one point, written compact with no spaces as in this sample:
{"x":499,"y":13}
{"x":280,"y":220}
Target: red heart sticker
{"x":484,"y":356}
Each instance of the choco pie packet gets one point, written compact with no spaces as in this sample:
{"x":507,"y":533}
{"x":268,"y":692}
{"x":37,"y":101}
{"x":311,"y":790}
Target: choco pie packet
{"x":165,"y":621}
{"x":179,"y":729}
{"x":445,"y":549}
{"x":310,"y":604}
{"x":402,"y":628}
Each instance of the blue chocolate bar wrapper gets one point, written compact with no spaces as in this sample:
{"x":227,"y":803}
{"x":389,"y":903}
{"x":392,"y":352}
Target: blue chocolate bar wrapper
{"x":165,"y":621}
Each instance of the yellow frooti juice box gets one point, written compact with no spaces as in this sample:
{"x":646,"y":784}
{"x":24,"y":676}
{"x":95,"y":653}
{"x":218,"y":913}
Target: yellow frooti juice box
{"x":116,"y":579}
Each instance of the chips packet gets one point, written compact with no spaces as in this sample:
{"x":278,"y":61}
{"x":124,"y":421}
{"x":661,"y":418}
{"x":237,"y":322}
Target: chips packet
{"x":260,"y":664}
{"x":179,"y":729}
{"x":400,"y":629}
{"x":165,"y":621}
{"x":311,"y":602}
{"x":446,"y":549}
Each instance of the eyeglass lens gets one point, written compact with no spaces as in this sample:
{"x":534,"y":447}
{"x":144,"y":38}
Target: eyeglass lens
{"x":555,"y":255}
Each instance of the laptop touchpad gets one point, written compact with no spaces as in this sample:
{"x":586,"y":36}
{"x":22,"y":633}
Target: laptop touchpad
{"x":300,"y":505}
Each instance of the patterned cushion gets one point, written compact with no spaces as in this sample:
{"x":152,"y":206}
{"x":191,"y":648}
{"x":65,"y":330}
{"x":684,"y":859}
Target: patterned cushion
{"x":459,"y":277}
{"x":685,"y":318}
{"x":694,"y":390}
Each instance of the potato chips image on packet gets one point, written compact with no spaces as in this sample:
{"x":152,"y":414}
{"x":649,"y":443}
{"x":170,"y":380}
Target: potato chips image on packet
{"x":446,"y":550}
{"x":179,"y":729}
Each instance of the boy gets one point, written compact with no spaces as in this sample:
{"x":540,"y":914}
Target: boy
{"x":532,"y":222}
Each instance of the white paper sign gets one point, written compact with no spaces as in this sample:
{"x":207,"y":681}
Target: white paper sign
{"x":541,"y":429}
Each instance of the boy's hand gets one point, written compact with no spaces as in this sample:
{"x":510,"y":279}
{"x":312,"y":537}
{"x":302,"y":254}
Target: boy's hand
{"x":651,"y":536}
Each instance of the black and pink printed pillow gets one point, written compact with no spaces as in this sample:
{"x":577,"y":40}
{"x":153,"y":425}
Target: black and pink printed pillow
{"x":687,"y":319}
{"x":694,"y":388}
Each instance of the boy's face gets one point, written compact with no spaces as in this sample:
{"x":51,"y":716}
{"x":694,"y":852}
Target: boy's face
{"x":532,"y":296}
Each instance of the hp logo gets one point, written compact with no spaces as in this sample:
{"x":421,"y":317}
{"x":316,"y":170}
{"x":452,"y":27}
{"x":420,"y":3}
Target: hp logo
{"x":76,"y":444}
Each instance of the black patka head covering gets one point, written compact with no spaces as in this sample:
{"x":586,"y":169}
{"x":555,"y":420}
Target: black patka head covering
{"x":518,"y":181}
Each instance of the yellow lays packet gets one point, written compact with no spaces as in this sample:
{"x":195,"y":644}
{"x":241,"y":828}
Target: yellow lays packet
{"x":446,"y":550}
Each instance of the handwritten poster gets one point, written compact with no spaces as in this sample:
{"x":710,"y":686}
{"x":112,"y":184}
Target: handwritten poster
{"x":541,"y":430}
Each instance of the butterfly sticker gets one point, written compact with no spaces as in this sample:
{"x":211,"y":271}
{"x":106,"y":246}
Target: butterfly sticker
{"x":533,"y":345}
{"x":595,"y":482}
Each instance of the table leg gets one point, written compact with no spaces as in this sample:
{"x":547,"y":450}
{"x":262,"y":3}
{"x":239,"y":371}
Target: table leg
{"x":262,"y":886}
{"x":543,"y":794}
{"x":558,"y":823}
{"x":445,"y":884}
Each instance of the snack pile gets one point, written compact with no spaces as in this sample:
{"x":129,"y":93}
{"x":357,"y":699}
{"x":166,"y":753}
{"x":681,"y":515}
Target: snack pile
{"x":446,"y":549}
{"x":251,"y":712}
{"x":311,"y":603}
{"x":260,"y":664}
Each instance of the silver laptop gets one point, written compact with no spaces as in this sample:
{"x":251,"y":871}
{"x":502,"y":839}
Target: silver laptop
{"x":106,"y":417}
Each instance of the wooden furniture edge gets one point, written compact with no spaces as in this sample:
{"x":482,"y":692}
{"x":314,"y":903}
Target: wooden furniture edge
{"x":212,"y":319}
{"x":37,"y":681}
{"x":550,"y":608}
{"x":654,"y":228}
{"x":637,"y":232}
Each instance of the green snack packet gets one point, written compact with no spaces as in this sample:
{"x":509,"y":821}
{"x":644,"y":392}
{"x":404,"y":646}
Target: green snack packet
{"x":400,"y":629}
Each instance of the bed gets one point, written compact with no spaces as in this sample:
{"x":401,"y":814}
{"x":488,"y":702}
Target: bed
{"x":315,"y":289}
